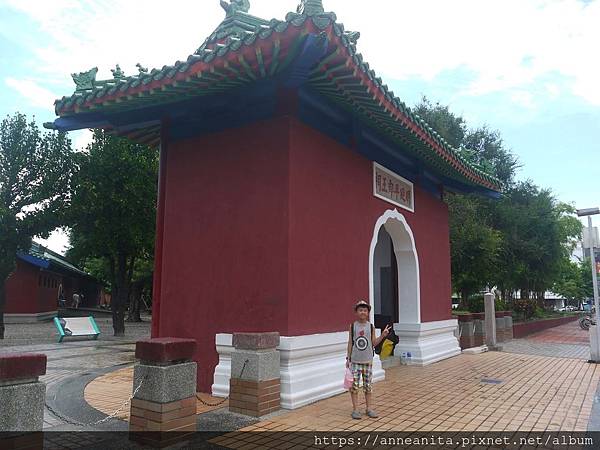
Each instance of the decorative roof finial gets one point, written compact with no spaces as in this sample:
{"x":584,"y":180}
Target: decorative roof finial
{"x":310,"y":7}
{"x":141,"y":69}
{"x":85,"y":80}
{"x":234,"y":6}
{"x":117,"y":73}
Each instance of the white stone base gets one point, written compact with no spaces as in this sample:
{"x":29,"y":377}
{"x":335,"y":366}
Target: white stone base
{"x":475,"y":350}
{"x":220,"y":387}
{"x":312,"y":367}
{"x":29,"y":318}
{"x":427,"y":342}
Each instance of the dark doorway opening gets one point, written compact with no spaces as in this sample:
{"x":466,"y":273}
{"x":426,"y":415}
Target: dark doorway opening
{"x":385,"y":271}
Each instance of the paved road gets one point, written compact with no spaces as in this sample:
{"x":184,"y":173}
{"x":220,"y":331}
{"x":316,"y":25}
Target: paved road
{"x":45,"y":332}
{"x":564,"y":341}
{"x":73,"y":358}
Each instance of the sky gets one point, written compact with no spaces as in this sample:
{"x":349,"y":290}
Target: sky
{"x":528,"y":68}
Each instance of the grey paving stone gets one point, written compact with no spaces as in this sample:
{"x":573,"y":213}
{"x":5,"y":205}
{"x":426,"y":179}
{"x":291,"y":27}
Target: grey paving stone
{"x":556,"y":350}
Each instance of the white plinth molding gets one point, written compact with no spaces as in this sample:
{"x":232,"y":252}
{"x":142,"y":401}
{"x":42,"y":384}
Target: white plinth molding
{"x":220,"y":387}
{"x":312,"y":367}
{"x":427,"y":342}
{"x":29,"y":318}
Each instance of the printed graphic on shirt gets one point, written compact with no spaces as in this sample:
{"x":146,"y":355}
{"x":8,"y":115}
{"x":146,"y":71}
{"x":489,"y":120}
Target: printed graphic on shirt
{"x":362,"y":343}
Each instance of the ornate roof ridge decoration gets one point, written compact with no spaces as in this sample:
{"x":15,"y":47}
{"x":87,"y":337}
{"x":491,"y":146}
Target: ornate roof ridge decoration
{"x":85,"y":80}
{"x":310,"y":7}
{"x":244,"y":49}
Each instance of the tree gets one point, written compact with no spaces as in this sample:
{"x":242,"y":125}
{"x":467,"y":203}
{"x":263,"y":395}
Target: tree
{"x":575,"y":281}
{"x":35,"y":171}
{"x":538,"y":234}
{"x":141,"y":284}
{"x":113,"y":211}
{"x":474,"y":241}
{"x":517,"y":243}
{"x":474,"y":249}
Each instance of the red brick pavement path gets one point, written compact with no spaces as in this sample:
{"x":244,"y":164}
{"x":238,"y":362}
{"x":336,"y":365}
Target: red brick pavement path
{"x":570,"y":333}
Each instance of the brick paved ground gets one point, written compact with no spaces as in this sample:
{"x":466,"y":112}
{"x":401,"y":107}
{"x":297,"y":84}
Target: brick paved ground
{"x":108,"y":392}
{"x":570,"y":333}
{"x":535,"y":394}
{"x":564,"y":341}
{"x":459,"y":394}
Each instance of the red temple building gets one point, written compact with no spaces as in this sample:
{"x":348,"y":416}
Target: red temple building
{"x":41,"y":278}
{"x":292,"y":183}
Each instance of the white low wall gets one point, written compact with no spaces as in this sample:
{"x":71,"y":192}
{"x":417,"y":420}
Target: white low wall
{"x":312,"y":367}
{"x":427,"y":342}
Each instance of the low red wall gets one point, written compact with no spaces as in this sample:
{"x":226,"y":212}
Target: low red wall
{"x":523,"y":329}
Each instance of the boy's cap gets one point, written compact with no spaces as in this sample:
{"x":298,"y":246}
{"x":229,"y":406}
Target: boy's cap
{"x":362,"y":304}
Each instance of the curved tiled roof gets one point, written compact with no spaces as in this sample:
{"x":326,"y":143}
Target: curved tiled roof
{"x":245,"y":49}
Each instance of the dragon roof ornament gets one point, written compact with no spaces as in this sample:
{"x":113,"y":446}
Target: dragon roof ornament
{"x":234,"y":6}
{"x":85,"y":81}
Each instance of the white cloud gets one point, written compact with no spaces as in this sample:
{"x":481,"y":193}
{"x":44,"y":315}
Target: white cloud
{"x":523,"y":98}
{"x":58,"y":241}
{"x":37,"y":95}
{"x":81,"y":139}
{"x":506,"y":44}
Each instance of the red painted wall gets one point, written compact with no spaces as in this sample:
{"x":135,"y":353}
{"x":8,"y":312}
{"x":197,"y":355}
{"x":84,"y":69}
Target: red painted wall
{"x":268,"y":228}
{"x":332,"y":217}
{"x":225,"y":247}
{"x":26,"y":293}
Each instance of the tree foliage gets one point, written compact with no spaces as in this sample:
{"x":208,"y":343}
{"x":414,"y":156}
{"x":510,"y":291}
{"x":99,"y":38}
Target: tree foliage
{"x":575,"y":281}
{"x":112,"y":215}
{"x":35,"y":171}
{"x":517,"y":243}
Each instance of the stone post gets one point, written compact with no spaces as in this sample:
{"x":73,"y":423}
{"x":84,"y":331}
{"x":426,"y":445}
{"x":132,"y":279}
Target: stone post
{"x":465,"y":327}
{"x":508,"y":325}
{"x":163,"y":410}
{"x":479,"y":329}
{"x":490,"y":321}
{"x":254,"y":388}
{"x":22,"y":398}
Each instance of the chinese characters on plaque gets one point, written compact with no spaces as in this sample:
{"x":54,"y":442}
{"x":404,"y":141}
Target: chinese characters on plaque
{"x":392,"y":188}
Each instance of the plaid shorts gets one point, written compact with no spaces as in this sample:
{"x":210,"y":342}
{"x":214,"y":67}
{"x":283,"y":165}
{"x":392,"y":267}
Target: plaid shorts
{"x":364,"y":371}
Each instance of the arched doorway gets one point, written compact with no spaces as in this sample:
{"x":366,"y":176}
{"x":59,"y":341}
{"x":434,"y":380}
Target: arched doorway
{"x":394,"y":272}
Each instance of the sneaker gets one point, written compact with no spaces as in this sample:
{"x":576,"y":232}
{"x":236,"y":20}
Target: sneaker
{"x":372,"y":414}
{"x":356,"y":415}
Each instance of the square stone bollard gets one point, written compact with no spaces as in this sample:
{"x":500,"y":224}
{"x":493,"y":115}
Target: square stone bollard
{"x":22,"y":398}
{"x":163,"y":410}
{"x":466,"y":330}
{"x":500,"y":327}
{"x":508,"y":326}
{"x":254,"y":386}
{"x":479,"y":329}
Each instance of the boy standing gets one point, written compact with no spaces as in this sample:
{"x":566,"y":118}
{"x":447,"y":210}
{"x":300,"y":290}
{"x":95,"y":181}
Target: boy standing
{"x":361,"y":344}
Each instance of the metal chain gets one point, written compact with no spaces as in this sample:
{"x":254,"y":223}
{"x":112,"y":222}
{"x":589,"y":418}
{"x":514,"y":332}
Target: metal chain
{"x":220,"y":402}
{"x":98,"y":422}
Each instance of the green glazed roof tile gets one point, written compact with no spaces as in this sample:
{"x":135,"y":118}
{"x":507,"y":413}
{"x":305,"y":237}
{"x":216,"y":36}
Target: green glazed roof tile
{"x":274,"y":45}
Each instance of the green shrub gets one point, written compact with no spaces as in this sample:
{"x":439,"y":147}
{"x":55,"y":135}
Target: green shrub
{"x":477,"y":305}
{"x":525,"y":308}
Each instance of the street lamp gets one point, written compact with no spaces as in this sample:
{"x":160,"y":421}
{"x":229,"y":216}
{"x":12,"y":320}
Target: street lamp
{"x":589,"y":212}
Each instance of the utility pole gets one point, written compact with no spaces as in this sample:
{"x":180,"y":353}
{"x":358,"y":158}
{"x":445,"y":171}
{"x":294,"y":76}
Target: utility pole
{"x":589,"y":213}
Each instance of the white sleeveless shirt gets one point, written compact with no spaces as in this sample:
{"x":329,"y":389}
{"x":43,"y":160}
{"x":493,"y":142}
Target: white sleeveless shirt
{"x":362,"y":345}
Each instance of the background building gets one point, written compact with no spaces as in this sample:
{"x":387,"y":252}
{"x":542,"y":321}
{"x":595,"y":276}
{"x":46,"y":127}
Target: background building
{"x":41,"y":278}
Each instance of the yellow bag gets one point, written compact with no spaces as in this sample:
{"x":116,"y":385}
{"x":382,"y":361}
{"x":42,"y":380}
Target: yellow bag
{"x":386,"y":349}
